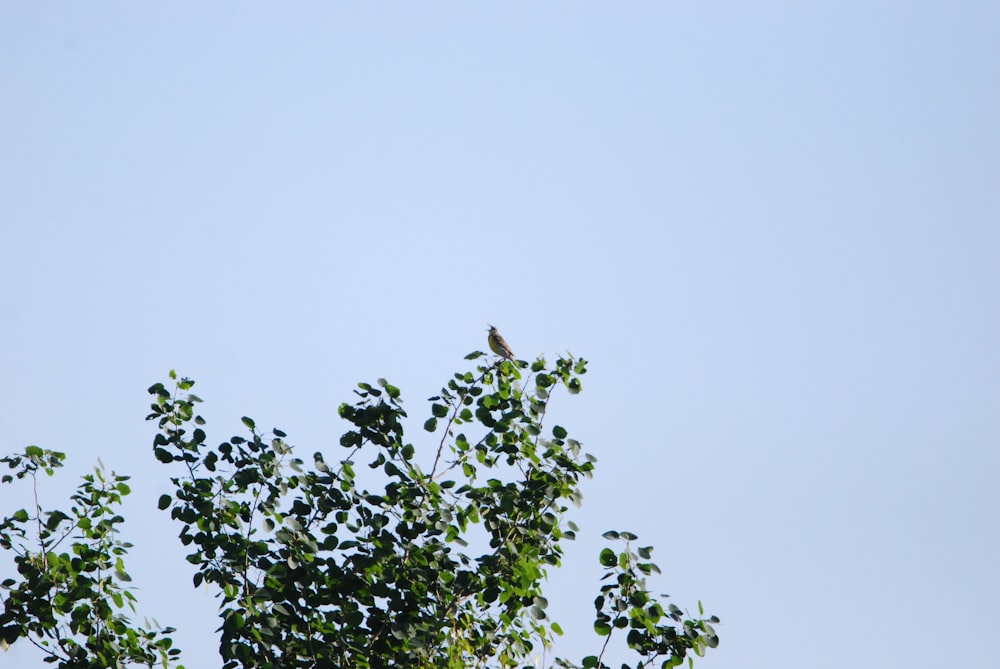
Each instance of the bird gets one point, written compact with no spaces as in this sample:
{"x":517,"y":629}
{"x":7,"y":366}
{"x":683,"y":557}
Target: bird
{"x":498,"y":345}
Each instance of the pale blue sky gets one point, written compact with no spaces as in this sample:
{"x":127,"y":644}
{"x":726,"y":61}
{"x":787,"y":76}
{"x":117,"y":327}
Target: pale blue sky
{"x":773,"y":227}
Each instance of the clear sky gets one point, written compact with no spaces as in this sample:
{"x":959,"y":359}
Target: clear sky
{"x":773,"y":227}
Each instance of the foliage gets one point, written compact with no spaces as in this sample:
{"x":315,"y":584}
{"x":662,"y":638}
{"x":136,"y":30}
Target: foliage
{"x":382,"y":556}
{"x":70,"y":603}
{"x":626,"y":602}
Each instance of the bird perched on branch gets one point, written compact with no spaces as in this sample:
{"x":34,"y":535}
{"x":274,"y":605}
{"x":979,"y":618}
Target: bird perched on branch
{"x":498,"y":345}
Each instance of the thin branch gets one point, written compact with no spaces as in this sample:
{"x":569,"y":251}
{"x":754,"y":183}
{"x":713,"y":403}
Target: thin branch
{"x":454,"y":414}
{"x":38,"y":520}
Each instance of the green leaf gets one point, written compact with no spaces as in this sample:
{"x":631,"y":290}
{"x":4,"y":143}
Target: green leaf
{"x":608,"y":558}
{"x":611,"y":534}
{"x":249,"y":422}
{"x":439,"y":410}
{"x":55,"y":518}
{"x":164,"y":502}
{"x":431,"y":424}
{"x":392,"y":390}
{"x":559,"y":432}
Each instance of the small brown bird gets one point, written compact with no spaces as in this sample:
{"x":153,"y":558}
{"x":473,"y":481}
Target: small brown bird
{"x":498,"y":345}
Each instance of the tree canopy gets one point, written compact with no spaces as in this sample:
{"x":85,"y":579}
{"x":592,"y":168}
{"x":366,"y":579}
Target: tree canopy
{"x":377,"y":556}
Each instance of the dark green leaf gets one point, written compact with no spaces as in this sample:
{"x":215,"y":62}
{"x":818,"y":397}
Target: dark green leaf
{"x":608,"y":558}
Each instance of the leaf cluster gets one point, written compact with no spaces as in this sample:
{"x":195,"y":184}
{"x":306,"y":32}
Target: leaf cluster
{"x":314,"y":566}
{"x":71,"y":596}
{"x":657,"y":634}
{"x":380,"y":555}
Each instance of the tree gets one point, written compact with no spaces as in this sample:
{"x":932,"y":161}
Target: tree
{"x":433,"y":559}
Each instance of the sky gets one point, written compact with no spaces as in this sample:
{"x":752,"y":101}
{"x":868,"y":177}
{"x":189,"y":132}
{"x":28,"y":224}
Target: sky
{"x":772,"y":227}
